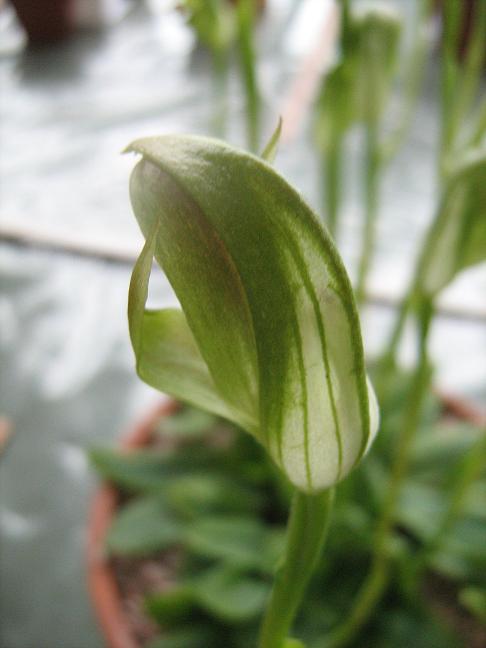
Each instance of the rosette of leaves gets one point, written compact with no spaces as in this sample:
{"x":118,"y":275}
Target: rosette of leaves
{"x":268,"y":335}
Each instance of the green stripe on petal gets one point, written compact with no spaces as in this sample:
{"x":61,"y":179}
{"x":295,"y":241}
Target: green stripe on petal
{"x":266,"y":296}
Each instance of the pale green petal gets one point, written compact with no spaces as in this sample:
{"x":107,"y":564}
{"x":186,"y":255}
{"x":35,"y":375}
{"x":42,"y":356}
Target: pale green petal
{"x":167,"y":355}
{"x":265,"y":293}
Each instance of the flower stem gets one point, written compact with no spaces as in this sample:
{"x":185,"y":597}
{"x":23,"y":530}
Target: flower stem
{"x":246,"y":10}
{"x":414,"y":74}
{"x":462,"y":82}
{"x":307,"y":528}
{"x":220,"y":94}
{"x":332,"y":179}
{"x":372,"y":173}
{"x":377,"y":579}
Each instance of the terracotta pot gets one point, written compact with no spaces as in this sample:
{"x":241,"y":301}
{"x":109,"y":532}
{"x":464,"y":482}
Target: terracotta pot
{"x":102,"y":584}
{"x":104,"y":590}
{"x":45,"y":21}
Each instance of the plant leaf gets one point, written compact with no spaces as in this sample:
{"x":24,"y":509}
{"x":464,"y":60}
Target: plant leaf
{"x":188,"y":423}
{"x":474,"y":600}
{"x":266,"y":297}
{"x":141,"y":471}
{"x":241,"y":542}
{"x":189,"y":637}
{"x":147,"y":471}
{"x":172,"y":607}
{"x":228,"y":595}
{"x":142,"y":527}
{"x":195,"y":494}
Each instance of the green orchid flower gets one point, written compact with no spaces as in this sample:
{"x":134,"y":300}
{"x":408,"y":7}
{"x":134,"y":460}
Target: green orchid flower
{"x":268,"y":335}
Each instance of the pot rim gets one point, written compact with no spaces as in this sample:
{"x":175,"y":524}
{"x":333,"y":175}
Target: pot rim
{"x":102,"y":586}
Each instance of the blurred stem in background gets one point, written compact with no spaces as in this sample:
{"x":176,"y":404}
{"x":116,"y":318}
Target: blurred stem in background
{"x":374,"y":586}
{"x":372,"y":177}
{"x":356,"y":91}
{"x":220,"y":117}
{"x":373,"y":98}
{"x":460,"y":80}
{"x":455,"y":112}
{"x":221,"y":25}
{"x":460,"y":205}
{"x":379,"y":153}
{"x":333,"y":152}
{"x":412,"y":84}
{"x":332,"y":159}
{"x":246,"y":14}
{"x":213,"y":23}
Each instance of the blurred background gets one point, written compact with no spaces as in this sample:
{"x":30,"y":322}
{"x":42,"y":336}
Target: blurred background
{"x":80,"y":79}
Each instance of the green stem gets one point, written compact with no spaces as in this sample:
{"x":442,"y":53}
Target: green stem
{"x":388,"y":361}
{"x":220,"y":76}
{"x":449,"y":75}
{"x":372,"y":172}
{"x":332,"y":181}
{"x":479,"y":128}
{"x":412,"y":297}
{"x":413,"y":81}
{"x":307,"y":528}
{"x":470,"y":74}
{"x":377,"y":579}
{"x":345,"y":21}
{"x":246,"y":18}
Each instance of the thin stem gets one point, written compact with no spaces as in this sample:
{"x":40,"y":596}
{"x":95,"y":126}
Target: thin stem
{"x":220,"y":77}
{"x":332,"y":180}
{"x":307,"y":528}
{"x":377,"y":579}
{"x":372,"y":173}
{"x":379,"y":154}
{"x":449,"y":75}
{"x":413,"y":81}
{"x":246,"y":19}
{"x":345,"y":20}
{"x":479,"y":129}
{"x":469,"y":79}
{"x":388,"y":361}
{"x":409,"y":302}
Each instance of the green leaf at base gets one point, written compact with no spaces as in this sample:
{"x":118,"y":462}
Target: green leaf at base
{"x":143,"y":527}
